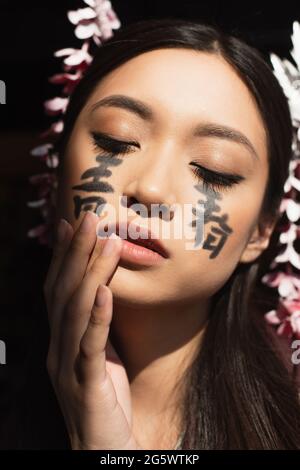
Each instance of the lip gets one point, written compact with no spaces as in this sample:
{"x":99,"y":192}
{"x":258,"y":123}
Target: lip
{"x":147,"y":249}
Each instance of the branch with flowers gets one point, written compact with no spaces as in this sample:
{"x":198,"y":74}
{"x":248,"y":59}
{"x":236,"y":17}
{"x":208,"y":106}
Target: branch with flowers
{"x":94,"y":24}
{"x":285,"y":276}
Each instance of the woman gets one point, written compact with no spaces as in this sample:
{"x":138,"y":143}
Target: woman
{"x":154,"y":351}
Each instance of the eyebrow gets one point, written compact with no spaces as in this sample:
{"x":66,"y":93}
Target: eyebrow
{"x":205,"y":129}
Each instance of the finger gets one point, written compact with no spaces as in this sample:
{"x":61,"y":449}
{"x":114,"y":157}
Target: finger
{"x":77,"y":313}
{"x":101,"y":237}
{"x":70,"y":274}
{"x":64,"y":233}
{"x":76,"y":259}
{"x":91,"y":368}
{"x":90,"y":364}
{"x":111,"y":353}
{"x":99,"y":245}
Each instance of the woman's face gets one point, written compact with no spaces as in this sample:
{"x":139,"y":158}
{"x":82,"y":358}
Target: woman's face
{"x":178,"y":104}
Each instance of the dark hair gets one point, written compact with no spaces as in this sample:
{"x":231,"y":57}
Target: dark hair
{"x":238,"y":392}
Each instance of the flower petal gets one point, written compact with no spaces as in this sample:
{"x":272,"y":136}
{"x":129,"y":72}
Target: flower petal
{"x":41,"y":150}
{"x":293,"y":210}
{"x":37,"y":231}
{"x":86,"y":31}
{"x":35,"y":204}
{"x":272,"y":317}
{"x":81,"y":14}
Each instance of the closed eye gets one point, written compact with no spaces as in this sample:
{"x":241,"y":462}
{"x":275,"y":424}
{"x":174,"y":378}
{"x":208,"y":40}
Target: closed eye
{"x":216,"y":180}
{"x":211,"y":179}
{"x":111,"y":145}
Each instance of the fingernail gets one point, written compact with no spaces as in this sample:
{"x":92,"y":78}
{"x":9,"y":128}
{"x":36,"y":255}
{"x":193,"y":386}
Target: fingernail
{"x":110,"y":244}
{"x":62,"y":230}
{"x":87,"y":222}
{"x":100,"y":296}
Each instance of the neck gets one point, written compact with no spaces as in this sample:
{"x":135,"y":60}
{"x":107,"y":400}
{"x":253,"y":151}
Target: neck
{"x":157,"y":345}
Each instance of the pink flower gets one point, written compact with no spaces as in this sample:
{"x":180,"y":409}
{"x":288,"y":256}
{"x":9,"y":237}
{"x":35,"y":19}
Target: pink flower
{"x":295,"y":322}
{"x":96,"y":21}
{"x":69,"y":80}
{"x":292,"y":209}
{"x":56,"y":106}
{"x":79,"y":58}
{"x":55,"y":128}
{"x":42,"y":150}
{"x":45,"y":152}
{"x":292,"y":181}
{"x":288,"y":284}
{"x":289,"y":255}
{"x":286,"y":317}
{"x":52,"y":160}
{"x":288,"y":75}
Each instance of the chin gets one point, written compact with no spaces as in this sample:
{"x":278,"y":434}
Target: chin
{"x":136,"y":288}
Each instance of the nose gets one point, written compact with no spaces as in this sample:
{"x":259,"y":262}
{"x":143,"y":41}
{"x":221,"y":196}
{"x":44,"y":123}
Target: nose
{"x":153,"y":185}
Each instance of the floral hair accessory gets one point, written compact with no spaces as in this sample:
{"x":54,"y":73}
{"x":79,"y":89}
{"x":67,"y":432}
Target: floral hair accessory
{"x":286,"y":266}
{"x":94,"y":24}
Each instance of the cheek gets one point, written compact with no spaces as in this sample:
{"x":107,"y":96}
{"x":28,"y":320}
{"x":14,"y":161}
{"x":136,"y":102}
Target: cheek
{"x":87,"y":182}
{"x":200,"y":273}
{"x":200,"y":276}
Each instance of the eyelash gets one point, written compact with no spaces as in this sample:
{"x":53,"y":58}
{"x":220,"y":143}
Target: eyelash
{"x":113,"y":146}
{"x":214,"y":180}
{"x":210,"y":179}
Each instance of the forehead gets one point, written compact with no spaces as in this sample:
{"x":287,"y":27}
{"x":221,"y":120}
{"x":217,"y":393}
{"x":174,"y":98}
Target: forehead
{"x":186,"y":86}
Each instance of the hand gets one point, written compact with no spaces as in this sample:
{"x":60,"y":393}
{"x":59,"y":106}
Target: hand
{"x":88,"y":377}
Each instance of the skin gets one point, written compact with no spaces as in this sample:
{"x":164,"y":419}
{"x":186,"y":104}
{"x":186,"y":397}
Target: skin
{"x":155,"y":316}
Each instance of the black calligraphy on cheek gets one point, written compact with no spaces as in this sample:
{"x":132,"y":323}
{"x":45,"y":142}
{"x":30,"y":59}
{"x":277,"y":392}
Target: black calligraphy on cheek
{"x":95,"y":184}
{"x":219,"y":232}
